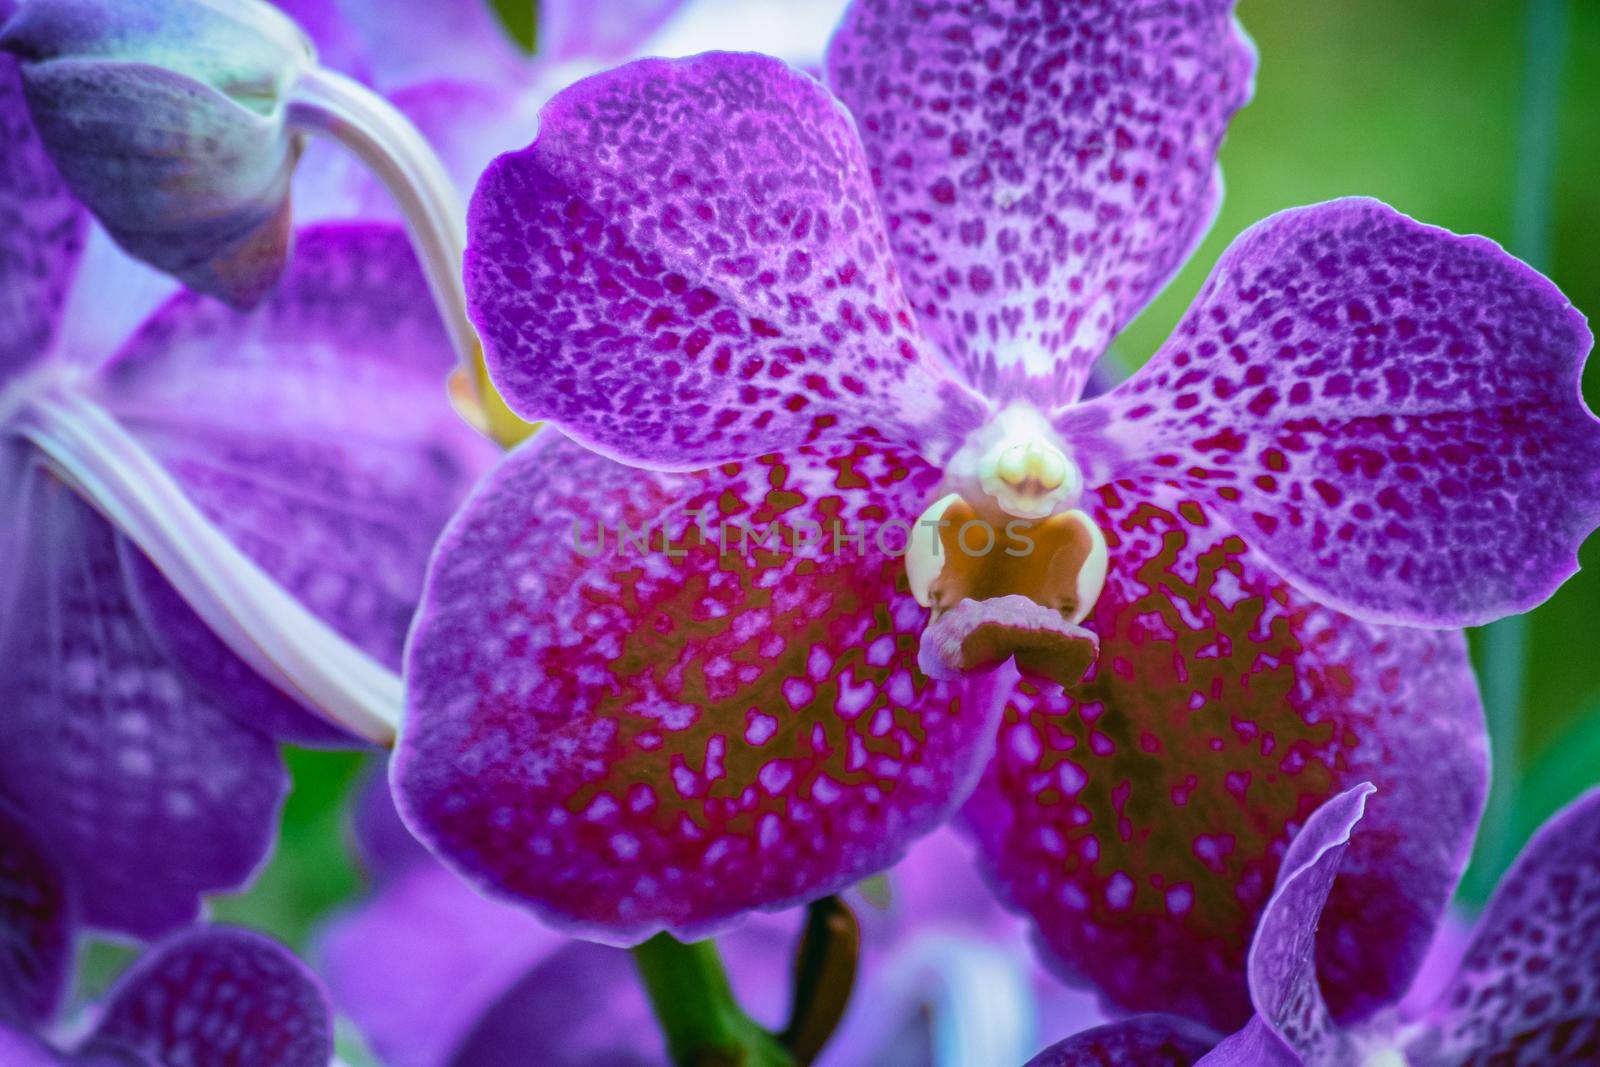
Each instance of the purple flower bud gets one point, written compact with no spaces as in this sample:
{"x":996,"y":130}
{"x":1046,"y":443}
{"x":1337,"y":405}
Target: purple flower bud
{"x":168,"y":121}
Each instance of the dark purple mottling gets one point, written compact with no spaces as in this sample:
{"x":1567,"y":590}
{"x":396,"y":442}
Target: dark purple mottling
{"x":1044,"y":167}
{"x":1390,"y":412}
{"x":665,"y":739}
{"x":41,"y":235}
{"x":217,"y":997}
{"x":1139,"y":1041}
{"x":689,"y":266}
{"x":1139,"y":817}
{"x":1528,"y":990}
{"x":147,"y":791}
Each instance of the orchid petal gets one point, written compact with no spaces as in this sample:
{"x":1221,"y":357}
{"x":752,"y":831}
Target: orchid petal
{"x":21,"y":1049}
{"x":688,"y":266}
{"x":1140,"y":1041}
{"x":1044,"y":170}
{"x":41,"y":237}
{"x":585,"y":30}
{"x":1390,"y":412}
{"x":148,"y":792}
{"x":347,"y":460}
{"x":1139,"y":818}
{"x":666,"y":737}
{"x":1283,"y":956}
{"x":1528,"y":989}
{"x":419,"y":965}
{"x":1257,"y":1045}
{"x":218,"y":995}
{"x":36,"y":926}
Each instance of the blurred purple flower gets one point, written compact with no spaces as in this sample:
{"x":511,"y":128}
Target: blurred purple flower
{"x":434,"y":974}
{"x":1526,"y":989}
{"x":208,"y":995}
{"x":798,"y":311}
{"x":309,"y":440}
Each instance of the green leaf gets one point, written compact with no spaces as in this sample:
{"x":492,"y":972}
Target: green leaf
{"x":521,"y":21}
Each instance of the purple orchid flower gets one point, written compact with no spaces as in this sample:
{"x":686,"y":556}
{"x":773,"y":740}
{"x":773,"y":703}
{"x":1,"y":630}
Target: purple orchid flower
{"x":273,"y":483}
{"x":763,"y":307}
{"x":434,"y":974}
{"x":208,"y":995}
{"x":1525,"y":991}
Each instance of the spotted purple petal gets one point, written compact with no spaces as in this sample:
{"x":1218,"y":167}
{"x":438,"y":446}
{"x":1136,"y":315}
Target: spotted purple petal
{"x":1528,"y":990}
{"x":1139,"y":818}
{"x":1044,"y":169}
{"x":41,"y":236}
{"x":689,"y":266}
{"x":1140,"y":1041}
{"x":1283,"y":964}
{"x":36,"y":925}
{"x":147,"y":792}
{"x":314,"y":431}
{"x":218,"y":996}
{"x":1389,"y":411}
{"x":665,"y":738}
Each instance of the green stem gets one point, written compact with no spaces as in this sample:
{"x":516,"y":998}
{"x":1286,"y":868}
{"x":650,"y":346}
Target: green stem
{"x":1504,"y":645}
{"x":824,"y":973}
{"x":704,"y":1026}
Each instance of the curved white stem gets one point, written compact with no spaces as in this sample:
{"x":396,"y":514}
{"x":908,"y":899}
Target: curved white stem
{"x":327,"y":103}
{"x":255,"y":616}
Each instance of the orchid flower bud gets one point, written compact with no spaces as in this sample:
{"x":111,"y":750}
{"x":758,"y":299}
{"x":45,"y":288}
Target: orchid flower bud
{"x":168,"y":120}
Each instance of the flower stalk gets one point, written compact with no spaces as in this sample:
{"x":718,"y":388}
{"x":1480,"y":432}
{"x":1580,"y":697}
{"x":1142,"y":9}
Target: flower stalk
{"x":704,"y":1026}
{"x":257,"y":618}
{"x":326,"y":103}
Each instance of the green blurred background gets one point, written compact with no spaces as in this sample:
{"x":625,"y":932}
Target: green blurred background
{"x":1479,"y":115}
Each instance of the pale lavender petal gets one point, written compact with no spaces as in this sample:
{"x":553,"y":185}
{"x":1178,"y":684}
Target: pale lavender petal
{"x":412,"y":41}
{"x":18,"y":1048}
{"x":1283,"y":964}
{"x":420,"y":964}
{"x":314,"y":431}
{"x":148,"y":792}
{"x":1390,"y":412}
{"x":41,"y":236}
{"x":1140,"y":1041}
{"x":796,"y":31}
{"x":36,"y":926}
{"x":1528,"y":990}
{"x":218,"y":996}
{"x":689,"y":266}
{"x":1044,"y":169}
{"x":665,"y":738}
{"x":598,"y":29}
{"x":1140,"y":817}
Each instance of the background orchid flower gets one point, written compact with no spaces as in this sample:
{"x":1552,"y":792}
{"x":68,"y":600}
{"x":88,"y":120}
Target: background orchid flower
{"x":782,"y":312}
{"x":208,"y":995}
{"x":273,"y":481}
{"x":1527,"y":989}
{"x":434,"y":974}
